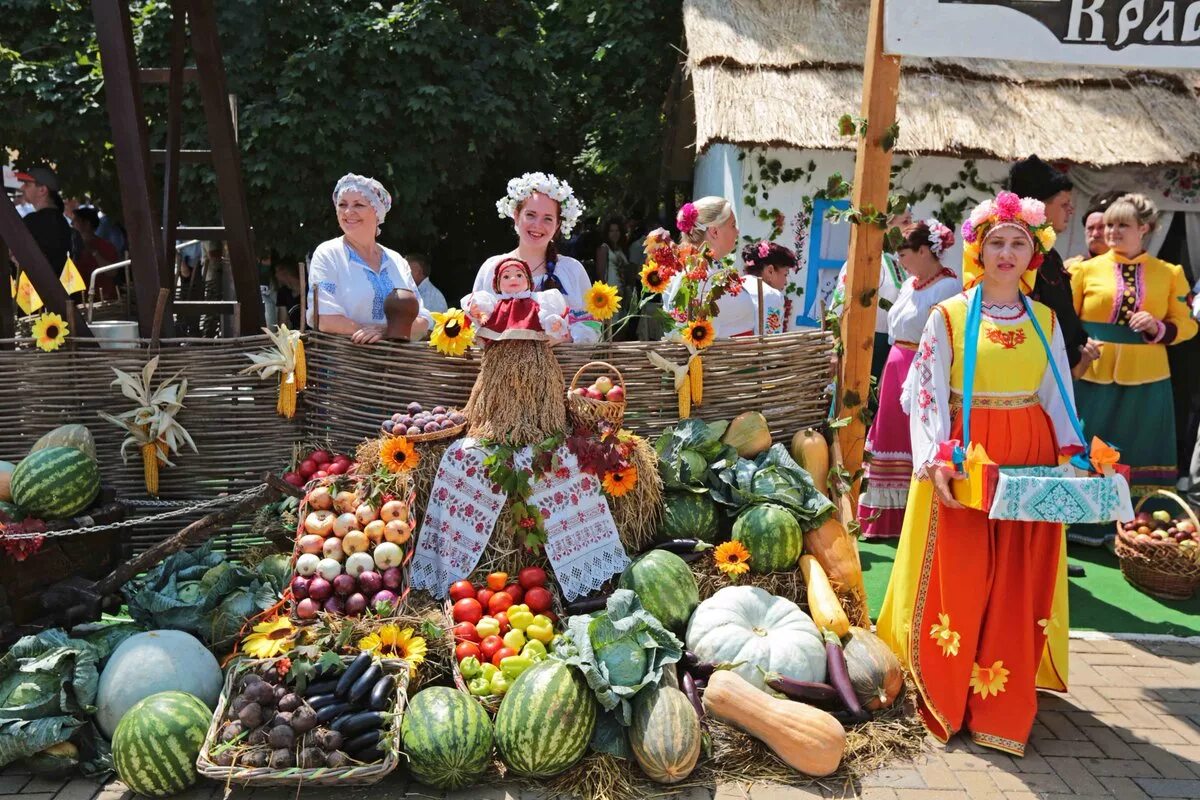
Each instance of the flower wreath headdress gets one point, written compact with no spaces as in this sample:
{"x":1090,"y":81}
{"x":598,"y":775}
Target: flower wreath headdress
{"x":570,"y":209}
{"x":688,"y":219}
{"x":941,"y":238}
{"x":1010,"y":211}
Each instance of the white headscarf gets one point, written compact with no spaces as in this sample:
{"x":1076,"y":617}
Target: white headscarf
{"x":369,"y":188}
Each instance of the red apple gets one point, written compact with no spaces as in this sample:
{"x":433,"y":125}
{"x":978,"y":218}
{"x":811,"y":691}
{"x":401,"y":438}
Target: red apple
{"x":465,"y":632}
{"x":467,"y":610}
{"x":515,"y":591}
{"x":466,"y":650}
{"x":531,"y":576}
{"x":593,"y":393}
{"x":539,"y":599}
{"x":615,"y":395}
{"x":498,"y":602}
{"x":460,"y":590}
{"x":579,"y":391}
{"x":294,"y":478}
{"x":307,"y":467}
{"x":489,"y":646}
{"x":319,"y":474}
{"x":336,"y":468}
{"x":501,"y":654}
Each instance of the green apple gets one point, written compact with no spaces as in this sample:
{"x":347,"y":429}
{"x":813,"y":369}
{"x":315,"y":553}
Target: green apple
{"x":1162,"y":516}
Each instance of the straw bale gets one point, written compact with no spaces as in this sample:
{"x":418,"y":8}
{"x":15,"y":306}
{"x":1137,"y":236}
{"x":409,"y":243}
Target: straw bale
{"x":519,"y":396}
{"x":638,"y":512}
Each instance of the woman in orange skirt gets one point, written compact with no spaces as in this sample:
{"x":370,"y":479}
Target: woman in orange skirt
{"x":976,"y":608}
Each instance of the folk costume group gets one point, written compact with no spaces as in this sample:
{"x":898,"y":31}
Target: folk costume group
{"x":976,"y":608}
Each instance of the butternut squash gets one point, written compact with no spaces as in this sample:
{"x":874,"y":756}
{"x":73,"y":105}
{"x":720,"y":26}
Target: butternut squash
{"x":811,"y":451}
{"x":805,"y":738}
{"x":823,"y":605}
{"x":837,"y":553}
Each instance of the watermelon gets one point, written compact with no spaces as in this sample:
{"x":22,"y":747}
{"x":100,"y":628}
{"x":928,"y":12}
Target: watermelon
{"x":665,"y":734}
{"x":448,"y":738}
{"x":56,"y":483}
{"x":772,"y":535}
{"x":77,"y":436}
{"x":155,"y":747}
{"x":666,"y":587}
{"x":545,"y":720}
{"x":687,"y":515}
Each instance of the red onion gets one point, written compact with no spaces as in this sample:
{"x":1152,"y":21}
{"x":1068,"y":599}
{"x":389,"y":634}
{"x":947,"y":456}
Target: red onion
{"x":300,"y":587}
{"x":383,"y":596}
{"x":319,"y":588}
{"x":307,"y":608}
{"x":355,"y":604}
{"x":392,"y":578}
{"x":343,"y":584}
{"x":369,"y":582}
{"x":335,"y":605}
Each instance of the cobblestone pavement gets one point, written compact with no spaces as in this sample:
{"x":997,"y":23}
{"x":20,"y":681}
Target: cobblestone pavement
{"x":1129,"y":729}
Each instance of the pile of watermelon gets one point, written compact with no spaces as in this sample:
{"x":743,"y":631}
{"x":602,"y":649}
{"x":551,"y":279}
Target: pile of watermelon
{"x":57,"y":480}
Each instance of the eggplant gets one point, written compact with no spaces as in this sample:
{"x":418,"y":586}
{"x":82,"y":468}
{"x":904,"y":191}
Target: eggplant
{"x":688,"y":685}
{"x":351,"y":725}
{"x":689,"y":659}
{"x":332,"y":712}
{"x":321,"y":687}
{"x":817,"y":694}
{"x":688,"y":558}
{"x":320,"y":701}
{"x":369,"y":756}
{"x":839,"y":677}
{"x":381,"y":694}
{"x":353,"y":672}
{"x":587,"y":605}
{"x":363,"y":741}
{"x":361,"y":689}
{"x":680,"y":546}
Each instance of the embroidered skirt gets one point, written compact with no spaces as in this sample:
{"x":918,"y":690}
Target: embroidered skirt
{"x":889,"y":471}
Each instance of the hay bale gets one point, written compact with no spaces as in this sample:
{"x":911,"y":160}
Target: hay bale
{"x":638,"y":512}
{"x":519,"y":396}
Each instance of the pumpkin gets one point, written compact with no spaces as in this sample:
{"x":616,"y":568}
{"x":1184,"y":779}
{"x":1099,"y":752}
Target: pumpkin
{"x":748,"y":433}
{"x":837,"y":554}
{"x":664,"y":734}
{"x":6,"y":471}
{"x":823,"y":604}
{"x":811,"y":451}
{"x":760,"y":632}
{"x":874,"y":670}
{"x":805,"y":738}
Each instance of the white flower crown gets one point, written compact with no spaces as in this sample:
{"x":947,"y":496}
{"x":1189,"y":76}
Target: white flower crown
{"x":570,"y":209}
{"x":941,"y":238}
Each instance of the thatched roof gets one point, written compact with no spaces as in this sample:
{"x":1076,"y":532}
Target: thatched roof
{"x":781,"y":72}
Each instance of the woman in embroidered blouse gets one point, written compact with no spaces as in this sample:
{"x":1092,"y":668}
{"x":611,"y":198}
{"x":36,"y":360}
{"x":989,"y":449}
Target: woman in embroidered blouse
{"x":715,"y":223}
{"x":543,"y":207}
{"x":1137,"y":305}
{"x":890,"y":468}
{"x":351,"y":278}
{"x":976,"y":608}
{"x":768,"y":264}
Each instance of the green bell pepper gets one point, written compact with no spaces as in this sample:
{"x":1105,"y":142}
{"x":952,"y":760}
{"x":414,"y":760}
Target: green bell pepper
{"x":499,"y":683}
{"x":480,"y":686}
{"x":533,"y":649}
{"x":469,"y":667}
{"x":513,"y":666}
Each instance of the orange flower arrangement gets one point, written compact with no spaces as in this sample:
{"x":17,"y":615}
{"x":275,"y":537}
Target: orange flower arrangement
{"x":699,"y":334}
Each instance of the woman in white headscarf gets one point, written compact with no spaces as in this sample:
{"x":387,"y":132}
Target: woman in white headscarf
{"x":352,"y":277}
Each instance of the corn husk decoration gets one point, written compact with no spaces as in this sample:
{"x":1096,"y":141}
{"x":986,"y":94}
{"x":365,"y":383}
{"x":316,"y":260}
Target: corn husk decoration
{"x":688,"y":378}
{"x":152,"y":426}
{"x":287,"y":359}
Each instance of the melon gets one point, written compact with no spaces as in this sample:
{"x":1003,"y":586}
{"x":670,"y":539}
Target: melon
{"x":772,"y":535}
{"x":156,"y":745}
{"x":749,"y":434}
{"x":448,"y":738}
{"x":688,"y":515}
{"x":56,"y":483}
{"x":665,"y":585}
{"x":77,"y":436}
{"x":545,"y":720}
{"x":665,"y":734}
{"x":150,"y":663}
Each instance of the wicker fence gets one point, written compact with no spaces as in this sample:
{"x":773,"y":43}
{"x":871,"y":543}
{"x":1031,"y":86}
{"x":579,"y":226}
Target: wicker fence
{"x":231,"y":417}
{"x":352,"y":388}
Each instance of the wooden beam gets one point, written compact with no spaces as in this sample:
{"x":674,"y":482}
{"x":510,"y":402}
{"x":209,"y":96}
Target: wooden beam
{"x":182,"y":156}
{"x":872,"y":175}
{"x":123,"y":97}
{"x":33,"y":261}
{"x":173,"y":155}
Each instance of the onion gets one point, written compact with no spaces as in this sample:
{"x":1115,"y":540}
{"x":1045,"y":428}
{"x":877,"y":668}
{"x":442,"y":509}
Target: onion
{"x":355,"y":604}
{"x":343,"y":584}
{"x":370,"y":582}
{"x":306,"y":564}
{"x":392,"y":578}
{"x":383,"y":596}
{"x":388,"y":555}
{"x":319,"y":588}
{"x":359,"y":563}
{"x":333,"y":549}
{"x":300,"y":587}
{"x":307,"y":608}
{"x":329,"y":569}
{"x":334,"y":605}
{"x":311,"y":543}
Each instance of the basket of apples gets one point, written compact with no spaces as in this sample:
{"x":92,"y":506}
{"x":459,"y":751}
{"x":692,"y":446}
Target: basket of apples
{"x":500,"y":629}
{"x":604,"y":399}
{"x":317,"y":464}
{"x":1160,"y":553}
{"x":351,"y":554}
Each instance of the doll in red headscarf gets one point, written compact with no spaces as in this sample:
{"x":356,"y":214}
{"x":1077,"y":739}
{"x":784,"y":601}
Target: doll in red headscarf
{"x":513,"y":311}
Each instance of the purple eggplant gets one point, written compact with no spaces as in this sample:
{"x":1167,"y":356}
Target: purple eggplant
{"x":817,"y":694}
{"x":688,"y":686}
{"x":839,"y":677}
{"x":587,"y":605}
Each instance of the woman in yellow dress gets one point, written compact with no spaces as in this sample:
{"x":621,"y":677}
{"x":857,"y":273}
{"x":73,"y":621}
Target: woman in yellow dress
{"x":976,"y":608}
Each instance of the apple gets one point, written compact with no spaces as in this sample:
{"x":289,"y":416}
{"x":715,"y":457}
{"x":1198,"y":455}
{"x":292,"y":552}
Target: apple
{"x":460,"y":590}
{"x":320,"y":457}
{"x":593,"y":393}
{"x":538,"y":599}
{"x":306,"y":565}
{"x":393,"y":509}
{"x":467,"y":610}
{"x":333,"y":549}
{"x":319,"y":474}
{"x":490,"y":646}
{"x":615,"y":395}
{"x":603,"y":384}
{"x":1186,"y":525}
{"x":466,"y":632}
{"x":530,"y":577}
{"x":337,"y":468}
{"x":320,"y":499}
{"x":294,"y":478}
{"x":1162,"y":515}
{"x":579,"y":391}
{"x":307,"y":467}
{"x":311,"y":543}
{"x":467,"y":650}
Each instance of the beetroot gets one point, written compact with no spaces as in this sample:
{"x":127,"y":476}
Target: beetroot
{"x":343,"y":584}
{"x":355,"y":604}
{"x":369,"y":582}
{"x":307,"y":608}
{"x":392,"y":578}
{"x":300,"y":587}
{"x":335,"y":605}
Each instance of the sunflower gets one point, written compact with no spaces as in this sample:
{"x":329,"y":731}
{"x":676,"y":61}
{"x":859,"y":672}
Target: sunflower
{"x":602,"y":301}
{"x":50,"y":331}
{"x":452,"y":333}
{"x":653,"y":278}
{"x":393,"y":642}
{"x":731,"y":558}
{"x":620,"y":481}
{"x":398,"y":455}
{"x":270,"y":638}
{"x":989,"y":680}
{"x":699,"y":334}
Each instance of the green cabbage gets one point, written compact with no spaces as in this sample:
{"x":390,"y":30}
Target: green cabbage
{"x":774,"y":477}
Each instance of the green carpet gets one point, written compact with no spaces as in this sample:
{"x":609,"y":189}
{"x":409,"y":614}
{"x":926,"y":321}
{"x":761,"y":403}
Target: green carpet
{"x":1102,"y":600}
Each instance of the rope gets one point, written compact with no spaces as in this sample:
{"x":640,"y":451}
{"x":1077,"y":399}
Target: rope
{"x":176,"y":508}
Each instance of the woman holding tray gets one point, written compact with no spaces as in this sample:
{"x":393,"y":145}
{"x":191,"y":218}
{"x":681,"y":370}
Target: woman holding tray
{"x":976,"y":608}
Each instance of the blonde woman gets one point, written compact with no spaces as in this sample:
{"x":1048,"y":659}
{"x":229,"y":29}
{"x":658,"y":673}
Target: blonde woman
{"x":711,"y":220}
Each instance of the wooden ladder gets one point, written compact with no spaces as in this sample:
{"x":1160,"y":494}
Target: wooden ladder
{"x":153,"y":231}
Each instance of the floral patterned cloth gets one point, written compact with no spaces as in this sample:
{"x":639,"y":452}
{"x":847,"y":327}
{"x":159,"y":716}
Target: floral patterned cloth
{"x":1041,"y":493}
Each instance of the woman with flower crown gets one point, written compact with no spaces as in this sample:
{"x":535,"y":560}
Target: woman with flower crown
{"x":767,"y":268}
{"x":976,"y":608}
{"x":890,"y":467}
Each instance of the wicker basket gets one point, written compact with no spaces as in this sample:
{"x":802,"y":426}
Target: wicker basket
{"x":436,"y":436}
{"x":360,"y":775}
{"x":1160,"y":568}
{"x":588,"y":411}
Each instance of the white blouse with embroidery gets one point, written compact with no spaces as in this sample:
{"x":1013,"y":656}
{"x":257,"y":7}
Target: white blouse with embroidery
{"x":926,"y":393}
{"x":344,"y":285}
{"x":772,"y":313}
{"x":575,"y":283}
{"x":906,"y":319}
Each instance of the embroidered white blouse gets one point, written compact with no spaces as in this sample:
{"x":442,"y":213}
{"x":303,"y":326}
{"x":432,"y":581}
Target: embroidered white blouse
{"x":346,"y":286}
{"x":926,"y":393}
{"x":891,"y":278}
{"x":772,"y":305}
{"x":575,"y":282}
{"x":906,"y":319}
{"x":737,"y":314}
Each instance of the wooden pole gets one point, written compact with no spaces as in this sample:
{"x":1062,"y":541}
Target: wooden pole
{"x":872,"y":174}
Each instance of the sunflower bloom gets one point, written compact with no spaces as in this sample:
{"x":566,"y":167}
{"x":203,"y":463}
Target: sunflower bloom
{"x":398,"y":455}
{"x":946,"y":639}
{"x":602,"y":301}
{"x":452,"y":333}
{"x":620,"y":481}
{"x":699,"y":334}
{"x":732,"y":558}
{"x":269,"y":639}
{"x":653,"y":278}
{"x":50,"y":331}
{"x":988,"y":680}
{"x":392,"y":641}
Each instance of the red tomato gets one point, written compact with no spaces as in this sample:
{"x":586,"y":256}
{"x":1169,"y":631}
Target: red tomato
{"x":467,"y":649}
{"x":461,"y":589}
{"x":502,"y":618}
{"x":515,"y":591}
{"x":468,"y":610}
{"x":497,"y":580}
{"x":538,"y":599}
{"x":498,"y":602}
{"x":484,"y":596}
{"x":531,"y":576}
{"x":501,"y":654}
{"x":489,"y":646}
{"x":465,"y":632}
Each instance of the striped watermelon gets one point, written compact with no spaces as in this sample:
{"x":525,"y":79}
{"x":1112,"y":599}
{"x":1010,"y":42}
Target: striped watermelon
{"x":448,"y":738}
{"x":772,"y":535}
{"x":56,"y":483}
{"x":665,"y":734}
{"x":545,"y":720}
{"x":156,"y":743}
{"x":687,"y":515}
{"x":666,"y":587}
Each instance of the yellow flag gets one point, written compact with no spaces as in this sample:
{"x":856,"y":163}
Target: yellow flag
{"x":27,"y":296}
{"x":70,"y":278}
